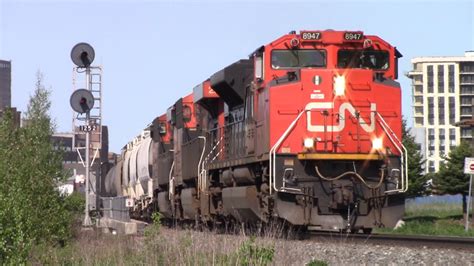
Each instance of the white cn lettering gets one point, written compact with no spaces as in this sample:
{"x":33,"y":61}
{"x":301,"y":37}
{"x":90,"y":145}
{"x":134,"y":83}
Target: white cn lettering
{"x":314,"y":127}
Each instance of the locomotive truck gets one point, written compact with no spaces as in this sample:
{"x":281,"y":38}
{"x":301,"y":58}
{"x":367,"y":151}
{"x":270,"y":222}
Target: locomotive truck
{"x":306,"y":130}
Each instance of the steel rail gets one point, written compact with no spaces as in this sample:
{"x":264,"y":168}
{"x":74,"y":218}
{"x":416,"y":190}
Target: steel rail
{"x":420,"y":241}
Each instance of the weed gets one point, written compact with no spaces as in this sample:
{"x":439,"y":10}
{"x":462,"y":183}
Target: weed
{"x":251,"y":253}
{"x":154,"y":228}
{"x":317,"y":263}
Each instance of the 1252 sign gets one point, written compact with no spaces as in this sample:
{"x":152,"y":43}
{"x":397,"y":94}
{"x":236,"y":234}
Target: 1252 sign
{"x":87,"y":128}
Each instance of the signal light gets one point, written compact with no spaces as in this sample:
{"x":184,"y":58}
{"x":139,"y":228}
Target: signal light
{"x":82,"y":54}
{"x":82,"y":101}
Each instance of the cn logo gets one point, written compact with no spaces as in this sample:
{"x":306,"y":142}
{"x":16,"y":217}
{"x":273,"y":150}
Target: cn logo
{"x":317,"y":127}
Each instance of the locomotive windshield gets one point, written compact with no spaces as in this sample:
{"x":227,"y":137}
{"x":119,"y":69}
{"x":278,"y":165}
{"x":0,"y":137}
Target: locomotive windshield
{"x":377,"y":60}
{"x":282,"y":59}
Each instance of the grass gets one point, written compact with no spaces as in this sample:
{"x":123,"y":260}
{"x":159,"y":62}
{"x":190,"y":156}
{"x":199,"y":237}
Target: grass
{"x":166,"y":246}
{"x":432,"y":219}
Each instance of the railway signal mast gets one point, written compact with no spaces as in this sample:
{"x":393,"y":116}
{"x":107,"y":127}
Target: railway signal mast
{"x":87,"y":119}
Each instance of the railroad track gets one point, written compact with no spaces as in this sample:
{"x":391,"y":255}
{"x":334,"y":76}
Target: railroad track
{"x":419,"y":241}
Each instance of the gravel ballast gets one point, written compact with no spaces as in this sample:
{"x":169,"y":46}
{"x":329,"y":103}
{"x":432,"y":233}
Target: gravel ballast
{"x":335,"y":251}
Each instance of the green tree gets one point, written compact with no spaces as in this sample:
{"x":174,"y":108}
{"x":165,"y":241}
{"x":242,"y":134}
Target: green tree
{"x":416,"y":178}
{"x":450,"y":178}
{"x":31,"y":209}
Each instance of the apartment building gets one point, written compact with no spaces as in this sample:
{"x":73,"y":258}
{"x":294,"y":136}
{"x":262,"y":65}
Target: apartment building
{"x":443,"y":90}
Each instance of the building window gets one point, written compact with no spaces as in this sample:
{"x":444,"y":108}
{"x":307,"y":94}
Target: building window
{"x":466,"y":100}
{"x":452,"y":138}
{"x":467,"y":89}
{"x":467,"y":67}
{"x":418,"y":121}
{"x":417,"y":67}
{"x":418,"y":79}
{"x":431,"y":167}
{"x":441,"y":110}
{"x":440,"y":79}
{"x":419,"y":110}
{"x":431,"y":133}
{"x":466,"y":133}
{"x":418,"y":99}
{"x":467,"y":79}
{"x":430,"y":111}
{"x":466,"y":110}
{"x":451,"y":78}
{"x":452,"y":133}
{"x":418,"y":89}
{"x":442,"y":151}
{"x":452,"y":111}
{"x":430,"y":79}
{"x":442,"y":140}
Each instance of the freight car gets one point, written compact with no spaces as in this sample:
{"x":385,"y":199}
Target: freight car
{"x":307,"y":130}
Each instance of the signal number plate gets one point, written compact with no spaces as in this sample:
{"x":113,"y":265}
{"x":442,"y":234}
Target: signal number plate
{"x":311,"y":35}
{"x":88,"y":128}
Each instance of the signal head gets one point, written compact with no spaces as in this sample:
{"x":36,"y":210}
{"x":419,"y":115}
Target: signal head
{"x":82,"y":54}
{"x":82,"y":101}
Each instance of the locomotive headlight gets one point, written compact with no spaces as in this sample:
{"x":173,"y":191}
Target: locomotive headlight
{"x":377,"y":144}
{"x":308,"y":143}
{"x":339,"y":85}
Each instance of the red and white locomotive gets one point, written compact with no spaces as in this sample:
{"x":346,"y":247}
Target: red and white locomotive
{"x":306,"y":130}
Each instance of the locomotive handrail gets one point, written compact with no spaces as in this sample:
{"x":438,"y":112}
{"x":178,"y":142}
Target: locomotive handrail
{"x":199,"y":170}
{"x":202,"y":173}
{"x":403,"y":154}
{"x":272,"y":155}
{"x":171,"y":182}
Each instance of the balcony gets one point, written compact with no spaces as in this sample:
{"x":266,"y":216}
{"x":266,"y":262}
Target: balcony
{"x":413,"y":73}
{"x":467,"y":79}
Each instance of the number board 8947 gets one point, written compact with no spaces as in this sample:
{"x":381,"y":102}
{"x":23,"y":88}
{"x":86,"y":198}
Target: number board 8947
{"x":350,"y":36}
{"x":310,"y":35}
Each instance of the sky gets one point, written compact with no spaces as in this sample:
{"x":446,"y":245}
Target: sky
{"x":154,"y":52}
